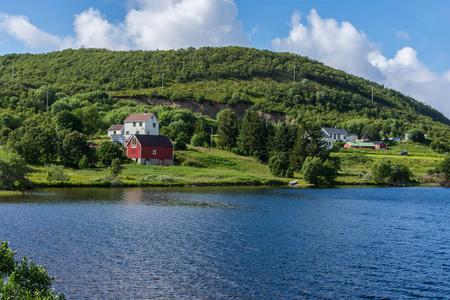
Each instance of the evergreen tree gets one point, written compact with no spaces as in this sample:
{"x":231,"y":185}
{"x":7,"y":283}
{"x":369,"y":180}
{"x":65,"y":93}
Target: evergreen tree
{"x":227,"y":130}
{"x":300,"y":150}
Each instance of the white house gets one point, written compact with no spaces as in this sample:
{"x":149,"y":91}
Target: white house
{"x":143,"y":124}
{"x":338,"y":134}
{"x":115,"y":132}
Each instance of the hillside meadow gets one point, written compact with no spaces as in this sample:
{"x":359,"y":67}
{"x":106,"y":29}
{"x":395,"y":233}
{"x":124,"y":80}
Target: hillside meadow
{"x":200,"y":166}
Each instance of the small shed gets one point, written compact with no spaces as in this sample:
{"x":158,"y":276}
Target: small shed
{"x":150,"y":149}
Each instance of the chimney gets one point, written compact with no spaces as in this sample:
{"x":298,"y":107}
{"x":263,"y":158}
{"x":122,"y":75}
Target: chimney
{"x":145,"y":112}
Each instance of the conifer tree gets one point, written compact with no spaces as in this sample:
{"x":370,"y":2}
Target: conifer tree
{"x":227,"y":130}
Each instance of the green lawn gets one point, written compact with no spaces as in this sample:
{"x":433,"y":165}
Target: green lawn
{"x":209,"y":167}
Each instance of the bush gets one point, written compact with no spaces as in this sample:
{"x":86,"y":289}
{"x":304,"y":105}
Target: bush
{"x":416,"y":135}
{"x":200,"y":140}
{"x":56,"y":173}
{"x":108,"y":151}
{"x":312,"y":169}
{"x":24,"y":279}
{"x":387,"y":172}
{"x":279,"y":165}
{"x":13,"y":171}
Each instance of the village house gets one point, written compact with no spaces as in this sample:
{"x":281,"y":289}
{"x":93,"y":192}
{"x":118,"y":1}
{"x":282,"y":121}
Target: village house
{"x":338,"y":134}
{"x":150,"y":149}
{"x":366,"y":143}
{"x":139,"y":124}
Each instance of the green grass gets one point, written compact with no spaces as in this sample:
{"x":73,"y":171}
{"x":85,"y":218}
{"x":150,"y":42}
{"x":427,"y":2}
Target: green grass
{"x":214,"y":167}
{"x":420,"y":160}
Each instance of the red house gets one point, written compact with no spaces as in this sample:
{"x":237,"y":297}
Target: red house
{"x":150,"y":149}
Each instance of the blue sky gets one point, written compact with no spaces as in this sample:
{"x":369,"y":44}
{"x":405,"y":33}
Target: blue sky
{"x":402,"y":44}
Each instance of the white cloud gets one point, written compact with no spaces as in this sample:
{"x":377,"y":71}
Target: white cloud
{"x":343,"y":47}
{"x":184,"y":23}
{"x":149,"y":24}
{"x":21,"y":29}
{"x":92,"y":30}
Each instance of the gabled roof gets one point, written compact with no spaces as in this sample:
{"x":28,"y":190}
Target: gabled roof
{"x":139,"y":117}
{"x":377,"y":142}
{"x":115,"y":127}
{"x":152,"y":140}
{"x":331,"y":130}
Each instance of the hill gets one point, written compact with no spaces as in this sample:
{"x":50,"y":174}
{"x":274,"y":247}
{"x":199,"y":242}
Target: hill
{"x":228,"y":75}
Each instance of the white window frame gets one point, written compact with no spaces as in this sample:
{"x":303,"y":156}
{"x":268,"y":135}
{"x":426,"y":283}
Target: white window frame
{"x":154,"y":152}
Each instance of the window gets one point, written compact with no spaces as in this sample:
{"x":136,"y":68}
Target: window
{"x":134,"y":124}
{"x":133,"y":142}
{"x":140,"y":124}
{"x":127,"y":132}
{"x":154,"y":125}
{"x":137,"y":132}
{"x":114,"y":132}
{"x":154,"y":152}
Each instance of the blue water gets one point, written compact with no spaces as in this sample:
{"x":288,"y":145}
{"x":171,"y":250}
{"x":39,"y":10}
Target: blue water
{"x":244,"y":243}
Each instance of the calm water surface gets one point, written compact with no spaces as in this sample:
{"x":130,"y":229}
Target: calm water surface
{"x":221,"y":243}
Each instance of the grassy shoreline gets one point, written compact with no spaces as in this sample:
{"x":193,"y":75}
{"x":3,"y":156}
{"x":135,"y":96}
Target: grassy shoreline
{"x":200,"y":166}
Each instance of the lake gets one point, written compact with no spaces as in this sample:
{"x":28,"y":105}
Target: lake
{"x":236,"y":242}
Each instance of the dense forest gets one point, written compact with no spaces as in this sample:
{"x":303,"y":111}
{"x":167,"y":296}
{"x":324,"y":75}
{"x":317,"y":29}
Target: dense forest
{"x":51,"y":102}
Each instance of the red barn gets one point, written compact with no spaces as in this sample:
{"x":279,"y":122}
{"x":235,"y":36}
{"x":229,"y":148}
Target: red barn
{"x":150,"y":149}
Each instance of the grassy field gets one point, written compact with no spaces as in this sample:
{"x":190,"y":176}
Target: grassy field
{"x":197,"y":166}
{"x":357,"y":163}
{"x":204,"y":166}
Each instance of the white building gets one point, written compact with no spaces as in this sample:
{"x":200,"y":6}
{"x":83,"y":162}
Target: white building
{"x":146,"y":124}
{"x":115,"y":132}
{"x":338,"y":134}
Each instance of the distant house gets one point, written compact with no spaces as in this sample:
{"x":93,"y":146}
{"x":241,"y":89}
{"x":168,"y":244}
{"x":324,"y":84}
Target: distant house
{"x":150,"y":149}
{"x":145,"y":124}
{"x":378,"y":145}
{"x":338,"y":134}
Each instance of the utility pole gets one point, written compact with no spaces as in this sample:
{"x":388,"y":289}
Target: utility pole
{"x":372,"y":95}
{"x":162,"y":82}
{"x":12,"y":79}
{"x":294,"y":73}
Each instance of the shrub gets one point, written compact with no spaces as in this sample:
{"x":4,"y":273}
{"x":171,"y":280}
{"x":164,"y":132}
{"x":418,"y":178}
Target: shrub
{"x":387,"y":172}
{"x":279,"y":165}
{"x":56,"y":173}
{"x":416,"y":135}
{"x":13,"y":171}
{"x":312,"y":169}
{"x":24,"y":279}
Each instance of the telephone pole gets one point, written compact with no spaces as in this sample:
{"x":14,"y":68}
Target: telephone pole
{"x":12,"y":77}
{"x":162,"y":86}
{"x":294,"y":73}
{"x":372,"y":95}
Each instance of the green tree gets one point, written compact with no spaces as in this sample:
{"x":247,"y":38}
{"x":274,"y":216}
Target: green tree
{"x":300,"y":150}
{"x":74,"y":147}
{"x":312,"y":170}
{"x":444,"y":167}
{"x":388,"y":172}
{"x":279,"y":165}
{"x":23,"y":279}
{"x":416,"y":135}
{"x":109,"y":151}
{"x":227,"y":129}
{"x":13,"y":171}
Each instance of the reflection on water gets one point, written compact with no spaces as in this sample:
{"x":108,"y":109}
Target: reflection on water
{"x":245,"y":242}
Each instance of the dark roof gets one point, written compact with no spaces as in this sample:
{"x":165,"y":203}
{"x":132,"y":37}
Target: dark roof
{"x":138,"y":117}
{"x":377,"y":142}
{"x":153,"y":140}
{"x":115,"y":127}
{"x":331,"y":130}
{"x":366,"y":137}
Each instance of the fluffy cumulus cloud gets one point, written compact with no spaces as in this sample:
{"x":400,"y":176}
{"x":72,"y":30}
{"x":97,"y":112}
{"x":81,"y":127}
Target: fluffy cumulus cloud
{"x":343,"y":47}
{"x":21,"y":29}
{"x":149,"y":24}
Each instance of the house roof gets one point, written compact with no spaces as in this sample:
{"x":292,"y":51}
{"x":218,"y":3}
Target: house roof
{"x":153,"y":140}
{"x":115,"y":127}
{"x":138,"y":117}
{"x":331,"y":130}
{"x":366,"y":137}
{"x":378,"y":142}
{"x":361,"y":144}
